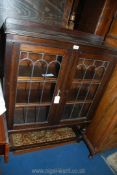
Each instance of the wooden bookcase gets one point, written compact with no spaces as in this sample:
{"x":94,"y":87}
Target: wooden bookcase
{"x":42,"y":63}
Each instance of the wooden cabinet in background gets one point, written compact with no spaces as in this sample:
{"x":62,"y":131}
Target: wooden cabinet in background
{"x":42,"y":65}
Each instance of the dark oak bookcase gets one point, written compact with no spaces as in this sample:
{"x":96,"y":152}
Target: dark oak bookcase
{"x":41,"y":63}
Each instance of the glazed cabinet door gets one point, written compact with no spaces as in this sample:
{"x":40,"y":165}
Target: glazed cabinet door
{"x":39,"y":74}
{"x":86,"y":81}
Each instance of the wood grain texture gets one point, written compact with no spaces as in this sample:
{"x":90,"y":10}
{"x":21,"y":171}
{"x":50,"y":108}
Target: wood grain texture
{"x":111,"y":42}
{"x":113,"y":29}
{"x":44,"y":11}
{"x":106,"y":16}
{"x":2,"y":133}
{"x":111,"y":38}
{"x":101,"y":131}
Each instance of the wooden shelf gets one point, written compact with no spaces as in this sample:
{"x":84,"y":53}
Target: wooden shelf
{"x":79,"y":102}
{"x":36,"y":79}
{"x":86,"y":81}
{"x":20,"y":105}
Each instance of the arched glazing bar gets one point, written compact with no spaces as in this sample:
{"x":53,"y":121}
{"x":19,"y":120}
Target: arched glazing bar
{"x":35,"y":66}
{"x":78,"y":89}
{"x":104,"y":67}
{"x":101,"y":66}
{"x":44,"y":83}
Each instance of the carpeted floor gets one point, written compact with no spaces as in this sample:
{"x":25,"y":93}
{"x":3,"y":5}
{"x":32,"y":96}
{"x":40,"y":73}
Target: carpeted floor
{"x":67,"y":159}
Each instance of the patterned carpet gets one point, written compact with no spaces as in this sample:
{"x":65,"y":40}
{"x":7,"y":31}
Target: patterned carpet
{"x":41,"y":136}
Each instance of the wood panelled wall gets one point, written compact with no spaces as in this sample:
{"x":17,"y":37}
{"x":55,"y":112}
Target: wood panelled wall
{"x":102,"y":132}
{"x":52,"y":12}
{"x":106,"y":17}
{"x":111,"y":38}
